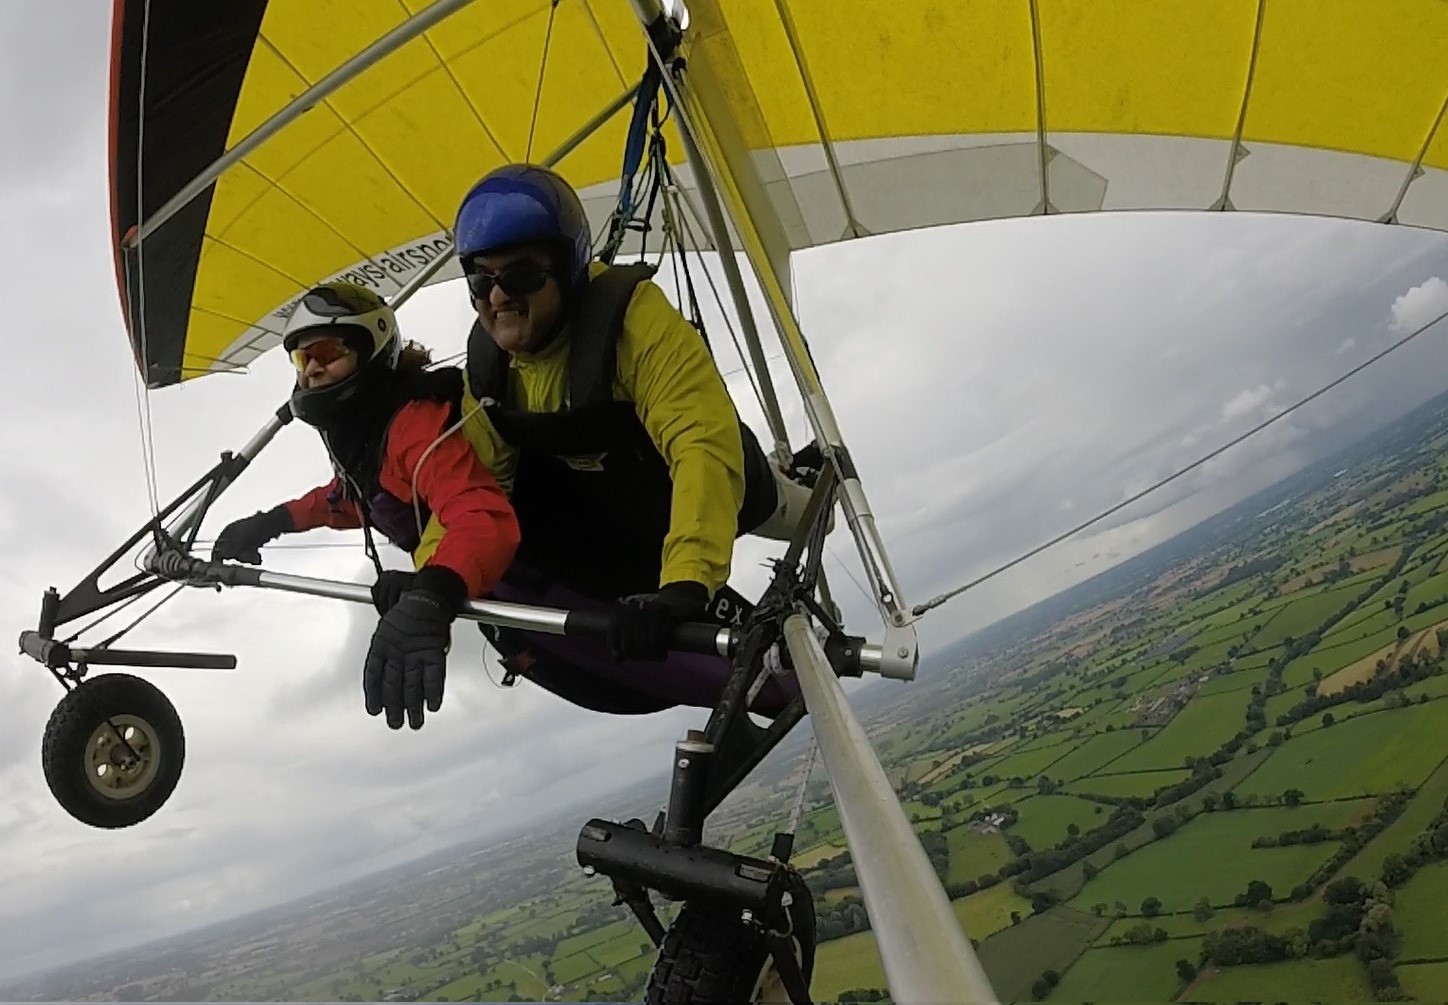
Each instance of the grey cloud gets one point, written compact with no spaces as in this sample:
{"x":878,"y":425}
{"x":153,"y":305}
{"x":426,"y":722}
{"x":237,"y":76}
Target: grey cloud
{"x":55,"y":106}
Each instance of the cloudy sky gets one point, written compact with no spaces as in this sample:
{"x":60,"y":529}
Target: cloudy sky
{"x":996,"y":383}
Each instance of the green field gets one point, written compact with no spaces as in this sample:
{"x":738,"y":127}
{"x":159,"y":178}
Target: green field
{"x":1369,"y":754}
{"x":1139,"y":783}
{"x":1127,"y":973}
{"x":1339,"y":979}
{"x":1398,"y":836}
{"x":1418,"y":908}
{"x":1094,"y":753}
{"x":1026,"y":764}
{"x":1282,"y":918}
{"x":1424,"y":981}
{"x":1044,"y":819}
{"x":1205,"y":723}
{"x":843,"y":964}
{"x":983,"y":914}
{"x":1015,"y":957}
{"x":1219,"y":847}
{"x":973,"y":855}
{"x":1304,"y":613}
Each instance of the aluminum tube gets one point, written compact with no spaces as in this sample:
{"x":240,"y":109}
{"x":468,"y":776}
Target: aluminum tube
{"x":192,"y":512}
{"x":926,"y":956}
{"x":547,"y":620}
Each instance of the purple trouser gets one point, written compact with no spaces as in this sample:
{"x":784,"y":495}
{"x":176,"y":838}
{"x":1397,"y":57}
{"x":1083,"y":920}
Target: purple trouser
{"x":585,"y":672}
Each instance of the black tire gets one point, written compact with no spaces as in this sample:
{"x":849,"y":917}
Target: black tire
{"x":97,"y":778}
{"x":711,"y":957}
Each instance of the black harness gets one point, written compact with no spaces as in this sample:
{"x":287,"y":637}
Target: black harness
{"x":592,"y":493}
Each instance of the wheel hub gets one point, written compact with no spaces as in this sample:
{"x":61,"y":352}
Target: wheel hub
{"x":122,"y":757}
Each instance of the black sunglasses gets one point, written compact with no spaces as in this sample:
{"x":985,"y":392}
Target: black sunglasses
{"x":514,"y":281}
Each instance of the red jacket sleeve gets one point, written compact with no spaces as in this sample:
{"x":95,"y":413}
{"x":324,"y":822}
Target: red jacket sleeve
{"x":324,"y":506}
{"x":480,"y":529}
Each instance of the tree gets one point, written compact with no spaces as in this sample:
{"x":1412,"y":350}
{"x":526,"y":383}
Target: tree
{"x":1293,"y":797}
{"x":1395,"y":870}
{"x":1327,"y":719}
{"x":1185,"y":971}
{"x":1202,"y":910}
{"x":1257,"y":893}
{"x":1151,"y":907}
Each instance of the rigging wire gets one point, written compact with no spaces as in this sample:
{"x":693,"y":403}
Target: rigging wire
{"x":102,"y":619}
{"x":108,"y":642}
{"x":929,"y":605}
{"x":795,"y":813}
{"x":542,"y":69}
{"x":691,"y":239}
{"x":136,"y":293}
{"x":858,"y":585}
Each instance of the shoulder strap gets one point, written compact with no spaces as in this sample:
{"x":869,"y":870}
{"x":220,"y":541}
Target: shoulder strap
{"x":487,"y":365}
{"x":597,"y":324}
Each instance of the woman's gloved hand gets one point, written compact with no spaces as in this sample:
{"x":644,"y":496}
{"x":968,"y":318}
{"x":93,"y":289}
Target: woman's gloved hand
{"x":242,"y":539}
{"x":641,"y":626}
{"x":390,"y":587}
{"x":407,"y":662}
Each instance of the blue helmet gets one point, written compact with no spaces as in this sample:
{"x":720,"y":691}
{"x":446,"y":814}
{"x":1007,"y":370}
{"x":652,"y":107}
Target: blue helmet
{"x":525,"y":203}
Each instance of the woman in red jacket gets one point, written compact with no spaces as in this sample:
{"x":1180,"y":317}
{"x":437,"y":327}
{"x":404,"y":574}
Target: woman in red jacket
{"x":400,"y":463}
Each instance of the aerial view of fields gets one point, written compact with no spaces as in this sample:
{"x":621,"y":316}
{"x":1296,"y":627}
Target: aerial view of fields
{"x":1219,"y":773}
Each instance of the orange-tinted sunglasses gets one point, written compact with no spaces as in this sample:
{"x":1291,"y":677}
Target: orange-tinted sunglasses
{"x":324,"y":351}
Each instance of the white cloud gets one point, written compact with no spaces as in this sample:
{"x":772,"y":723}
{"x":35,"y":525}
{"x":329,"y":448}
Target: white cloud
{"x":1419,"y":305}
{"x":1246,"y":402}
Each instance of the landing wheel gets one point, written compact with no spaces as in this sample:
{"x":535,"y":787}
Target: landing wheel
{"x":712,"y":957}
{"x":113,"y":750}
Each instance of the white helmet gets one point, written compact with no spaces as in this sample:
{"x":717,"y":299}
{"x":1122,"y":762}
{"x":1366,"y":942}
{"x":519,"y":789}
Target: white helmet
{"x":365,"y":324}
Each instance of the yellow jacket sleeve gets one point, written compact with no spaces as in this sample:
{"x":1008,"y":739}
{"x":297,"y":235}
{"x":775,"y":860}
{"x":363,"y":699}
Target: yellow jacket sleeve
{"x":665,"y":368}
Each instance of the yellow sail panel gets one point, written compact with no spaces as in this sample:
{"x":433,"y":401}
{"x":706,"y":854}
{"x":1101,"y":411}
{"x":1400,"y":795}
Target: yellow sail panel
{"x":383,"y":162}
{"x":1112,"y":68}
{"x":871,"y":117}
{"x":826,"y":119}
{"x":1350,"y":77}
{"x":366,"y":181}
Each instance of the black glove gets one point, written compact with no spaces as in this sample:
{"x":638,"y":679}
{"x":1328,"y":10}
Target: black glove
{"x":641,"y":626}
{"x":407,"y":661}
{"x":241,"y":539}
{"x":390,"y":587}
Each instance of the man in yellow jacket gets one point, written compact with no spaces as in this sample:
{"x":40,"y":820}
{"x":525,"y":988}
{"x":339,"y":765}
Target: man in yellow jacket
{"x":599,"y":406}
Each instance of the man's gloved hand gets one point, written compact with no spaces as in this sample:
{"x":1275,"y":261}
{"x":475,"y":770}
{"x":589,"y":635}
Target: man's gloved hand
{"x":641,"y":626}
{"x":390,"y":587}
{"x":407,"y":661}
{"x":241,"y":539}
